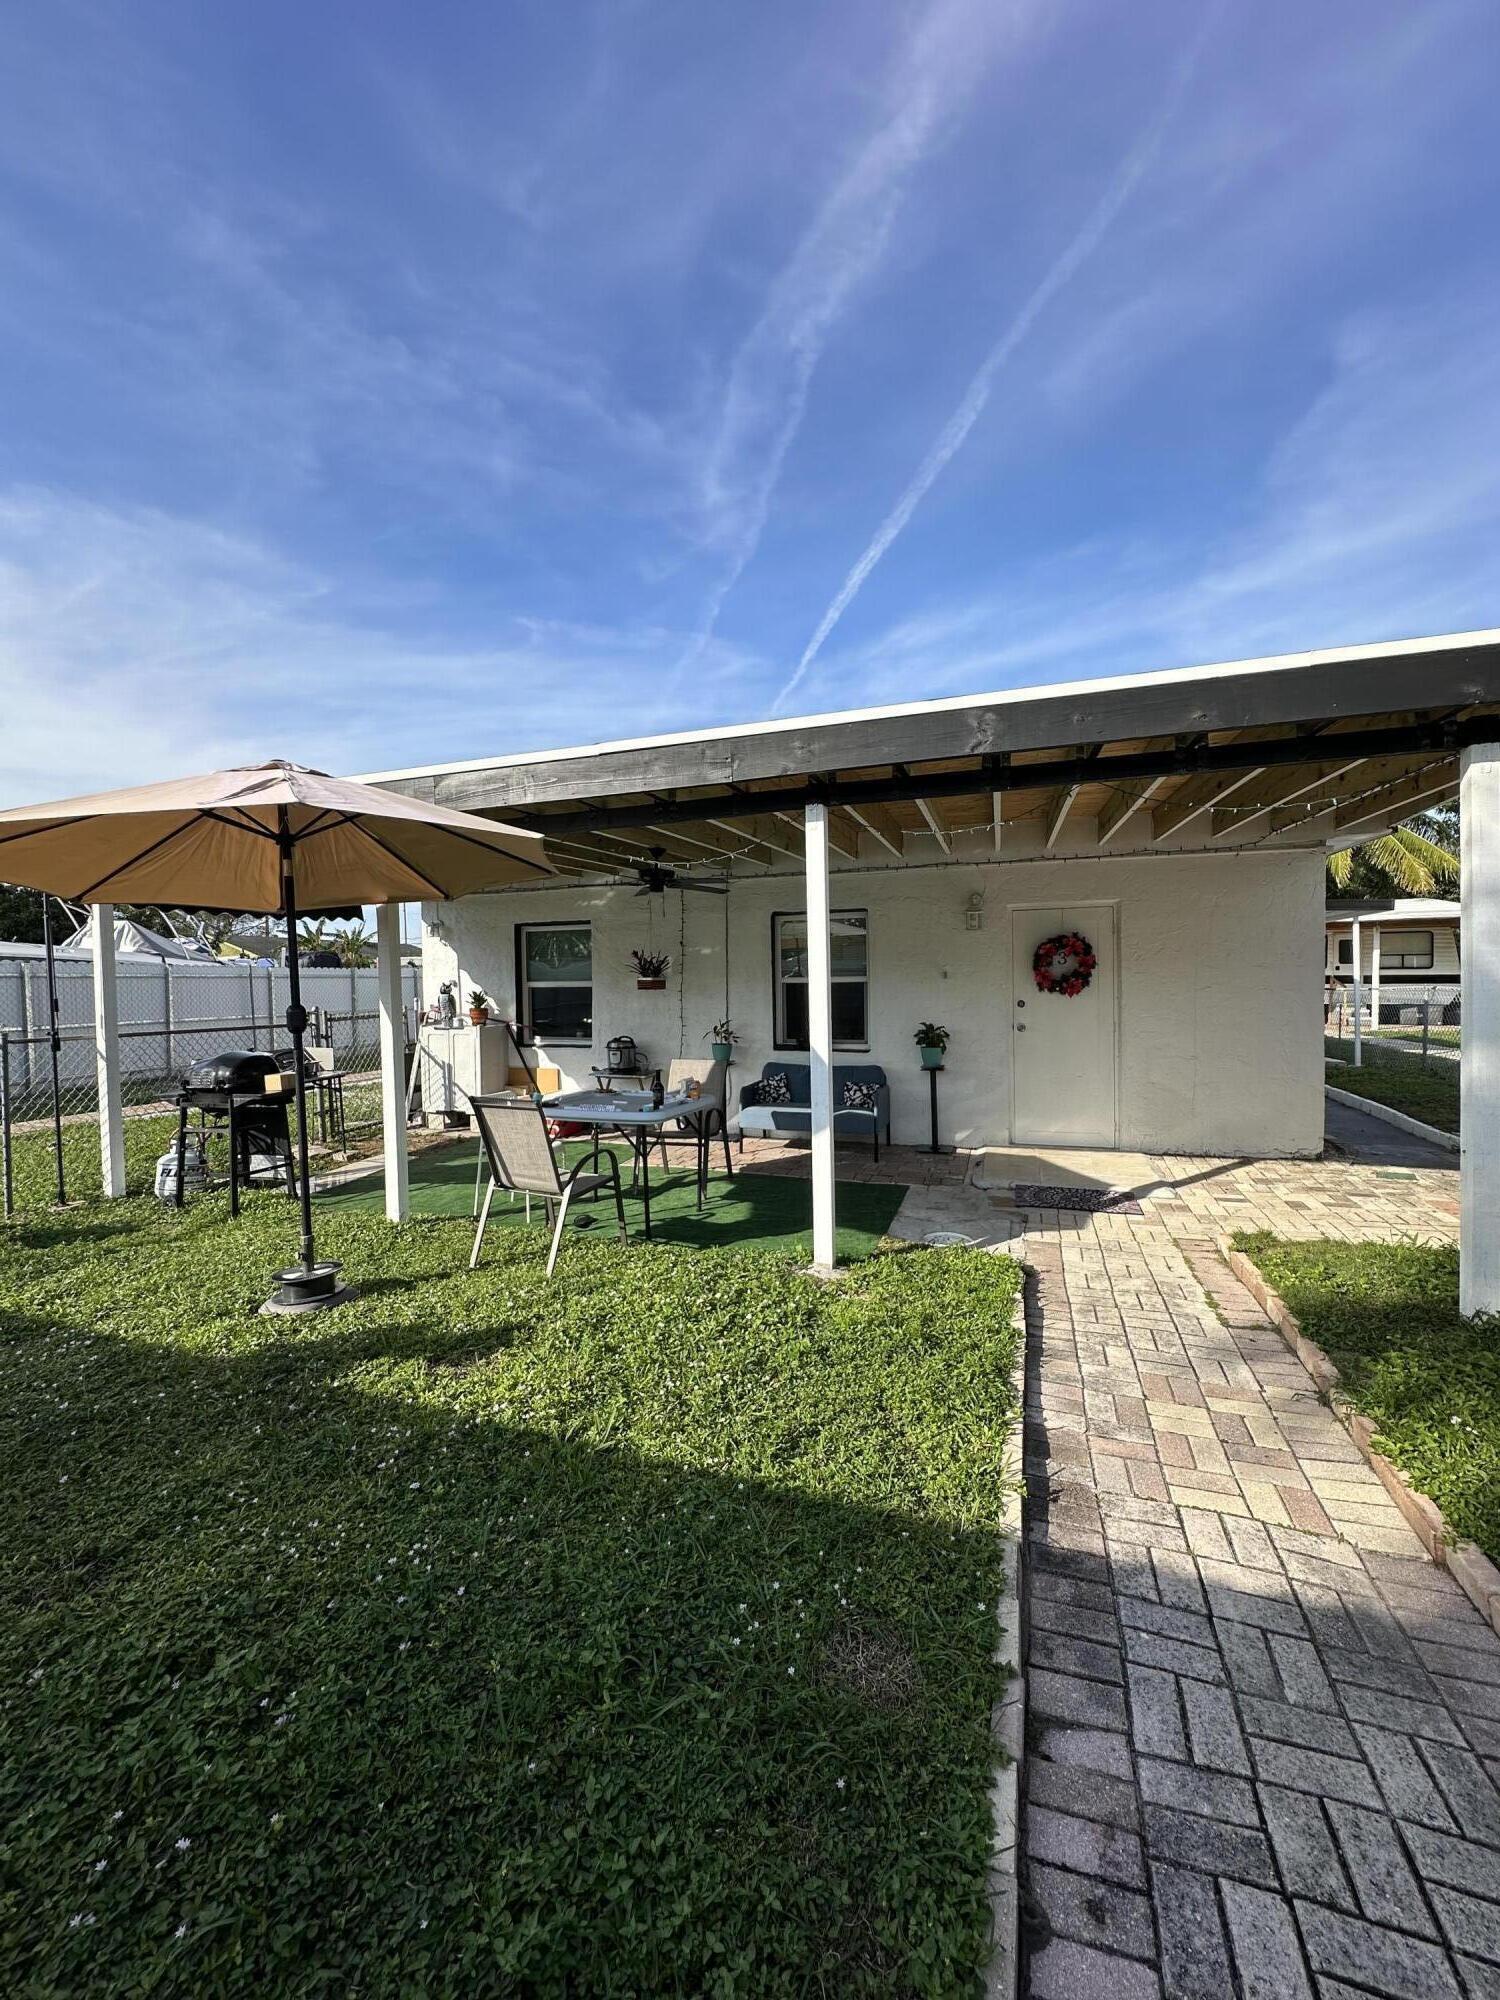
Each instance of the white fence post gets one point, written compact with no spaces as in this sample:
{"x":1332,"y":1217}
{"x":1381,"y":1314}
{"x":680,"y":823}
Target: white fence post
{"x":107,"y":1054}
{"x":1479,"y":1042}
{"x":392,"y":1059}
{"x":820,"y":1036}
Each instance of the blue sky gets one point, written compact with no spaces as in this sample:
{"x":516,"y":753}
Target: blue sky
{"x":385,"y":383}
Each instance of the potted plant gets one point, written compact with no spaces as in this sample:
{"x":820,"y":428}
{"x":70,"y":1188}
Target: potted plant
{"x":721,"y":1039}
{"x":479,"y":1008}
{"x":650,"y":969}
{"x":932,"y":1040}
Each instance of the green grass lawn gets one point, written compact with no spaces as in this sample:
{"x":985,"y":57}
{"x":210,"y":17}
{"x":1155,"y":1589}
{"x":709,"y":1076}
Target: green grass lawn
{"x":752,"y":1211}
{"x":1428,"y":1091}
{"x":628,"y":1634}
{"x":1387,"y":1314}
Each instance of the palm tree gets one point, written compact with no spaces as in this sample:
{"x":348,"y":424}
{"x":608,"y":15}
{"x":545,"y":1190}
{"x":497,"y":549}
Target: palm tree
{"x":1404,"y":862}
{"x":354,"y":945}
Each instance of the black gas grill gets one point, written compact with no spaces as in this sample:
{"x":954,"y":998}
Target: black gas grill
{"x":240,"y":1092}
{"x":210,"y":1084}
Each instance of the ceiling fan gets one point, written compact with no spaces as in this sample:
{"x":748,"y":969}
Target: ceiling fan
{"x":655,"y":878}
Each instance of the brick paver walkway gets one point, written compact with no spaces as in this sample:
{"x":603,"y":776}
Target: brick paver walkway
{"x":1264,"y":1756}
{"x":1265,"y":1728}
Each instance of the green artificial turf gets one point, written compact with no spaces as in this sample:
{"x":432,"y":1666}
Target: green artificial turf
{"x":751,"y":1211}
{"x":627,"y":1634}
{"x":1428,"y":1091}
{"x":1387,"y":1315}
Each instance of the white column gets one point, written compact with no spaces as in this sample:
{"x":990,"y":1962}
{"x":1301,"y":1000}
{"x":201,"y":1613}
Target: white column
{"x":107,"y":1053}
{"x":392,"y":1058}
{"x":820,"y":1035}
{"x":1479,"y":1059}
{"x":1357,"y":995}
{"x":1374,"y":977}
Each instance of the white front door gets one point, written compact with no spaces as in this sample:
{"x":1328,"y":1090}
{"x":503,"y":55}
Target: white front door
{"x":1062,"y":1048}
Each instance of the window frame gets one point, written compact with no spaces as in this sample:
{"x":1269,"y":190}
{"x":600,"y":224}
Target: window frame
{"x":1399,"y":960}
{"x":524,"y":984}
{"x":778,"y":1009}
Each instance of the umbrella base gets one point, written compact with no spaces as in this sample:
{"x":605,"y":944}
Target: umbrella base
{"x":307,"y":1289}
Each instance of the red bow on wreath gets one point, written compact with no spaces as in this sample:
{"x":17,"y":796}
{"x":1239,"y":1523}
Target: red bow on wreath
{"x":1063,"y":964}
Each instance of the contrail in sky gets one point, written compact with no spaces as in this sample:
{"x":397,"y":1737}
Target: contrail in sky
{"x":1126,"y":180}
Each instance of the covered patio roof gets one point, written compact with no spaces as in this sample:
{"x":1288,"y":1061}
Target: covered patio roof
{"x":1325,"y":748}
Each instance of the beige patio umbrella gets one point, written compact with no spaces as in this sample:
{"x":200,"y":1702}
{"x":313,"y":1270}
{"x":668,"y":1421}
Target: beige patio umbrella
{"x":272,"y":838}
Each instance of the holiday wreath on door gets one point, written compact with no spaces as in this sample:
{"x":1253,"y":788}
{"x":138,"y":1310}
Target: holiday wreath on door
{"x":1063,"y":964}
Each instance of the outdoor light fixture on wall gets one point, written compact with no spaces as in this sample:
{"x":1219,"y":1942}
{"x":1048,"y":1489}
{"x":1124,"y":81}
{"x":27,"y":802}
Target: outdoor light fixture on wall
{"x":974,"y":912}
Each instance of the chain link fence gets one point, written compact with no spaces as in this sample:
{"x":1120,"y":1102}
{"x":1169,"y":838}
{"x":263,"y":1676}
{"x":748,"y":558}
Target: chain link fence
{"x":1414,"y":1023}
{"x":173,"y":1015}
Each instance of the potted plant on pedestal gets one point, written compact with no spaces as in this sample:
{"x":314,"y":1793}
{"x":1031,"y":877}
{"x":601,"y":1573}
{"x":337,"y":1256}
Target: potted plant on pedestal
{"x":932,"y":1040}
{"x":650,"y":970}
{"x":721,"y":1039}
{"x":479,"y":1008}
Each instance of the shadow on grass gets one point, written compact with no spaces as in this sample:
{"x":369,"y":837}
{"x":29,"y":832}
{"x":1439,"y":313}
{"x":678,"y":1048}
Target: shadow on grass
{"x":474,"y":1653}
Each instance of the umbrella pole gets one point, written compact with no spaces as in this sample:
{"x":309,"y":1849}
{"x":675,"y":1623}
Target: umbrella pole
{"x":310,"y":1285}
{"x":296,"y":1020}
{"x":55,"y":1042}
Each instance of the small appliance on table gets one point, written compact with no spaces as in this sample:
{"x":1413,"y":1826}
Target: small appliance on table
{"x":623,"y":1063}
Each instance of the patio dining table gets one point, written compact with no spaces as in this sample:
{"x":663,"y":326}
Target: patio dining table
{"x":632,"y":1115}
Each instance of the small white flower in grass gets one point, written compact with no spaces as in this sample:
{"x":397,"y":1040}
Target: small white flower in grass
{"x":180,"y":1932}
{"x":100,"y":1866}
{"x":183,"y":1843}
{"x":117,"y":1815}
{"x":791,"y":1670}
{"x":840,"y":1782}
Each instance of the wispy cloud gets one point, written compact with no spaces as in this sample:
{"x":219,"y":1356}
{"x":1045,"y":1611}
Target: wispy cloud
{"x":955,"y":432}
{"x":765,"y":397}
{"x":1375,"y":516}
{"x":135,"y":644}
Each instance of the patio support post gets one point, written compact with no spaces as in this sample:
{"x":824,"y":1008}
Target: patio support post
{"x":107,"y":1053}
{"x":820,"y":1034}
{"x":1479,"y":1056}
{"x":1374,"y":977}
{"x":1357,"y":996}
{"x":392,"y":1059}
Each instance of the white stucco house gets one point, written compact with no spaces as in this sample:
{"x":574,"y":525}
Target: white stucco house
{"x":888,"y":866}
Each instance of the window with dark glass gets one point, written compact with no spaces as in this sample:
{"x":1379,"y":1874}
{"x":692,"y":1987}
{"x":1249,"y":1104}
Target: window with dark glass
{"x":849,"y":957}
{"x":557,"y":981}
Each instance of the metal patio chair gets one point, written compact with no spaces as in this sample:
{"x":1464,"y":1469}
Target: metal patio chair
{"x":709,"y":1106}
{"x":518,"y":1147}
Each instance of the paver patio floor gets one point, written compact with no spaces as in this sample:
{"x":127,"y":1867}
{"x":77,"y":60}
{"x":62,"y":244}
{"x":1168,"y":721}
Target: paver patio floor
{"x":1264,"y":1755}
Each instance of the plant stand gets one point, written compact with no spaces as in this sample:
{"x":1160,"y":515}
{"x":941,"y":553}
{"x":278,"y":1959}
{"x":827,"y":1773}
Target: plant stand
{"x":932,"y":1077}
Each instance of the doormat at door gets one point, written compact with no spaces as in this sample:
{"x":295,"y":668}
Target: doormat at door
{"x":1092,"y":1201}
